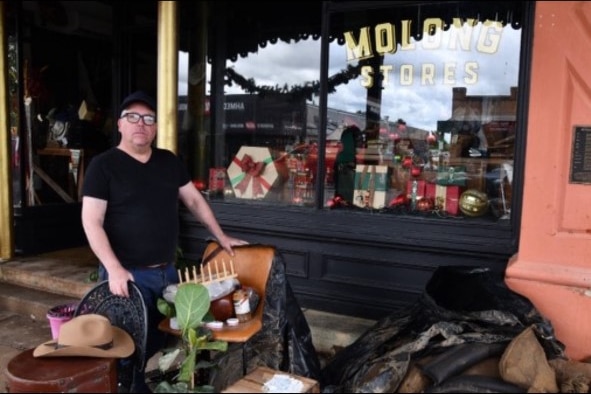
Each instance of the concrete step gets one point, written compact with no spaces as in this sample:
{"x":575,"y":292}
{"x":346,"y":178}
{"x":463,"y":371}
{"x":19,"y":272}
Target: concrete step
{"x":332,"y":332}
{"x":66,"y":273}
{"x":30,"y":302}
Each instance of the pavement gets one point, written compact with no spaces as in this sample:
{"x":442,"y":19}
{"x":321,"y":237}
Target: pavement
{"x":30,"y":286}
{"x":19,"y":332}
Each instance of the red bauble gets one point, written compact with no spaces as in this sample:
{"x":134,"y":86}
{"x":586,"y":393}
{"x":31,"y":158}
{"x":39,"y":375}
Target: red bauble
{"x":425,"y":204}
{"x":407,"y":162}
{"x":431,"y":138}
{"x":415,"y":171}
{"x":199,"y":185}
{"x":401,"y":199}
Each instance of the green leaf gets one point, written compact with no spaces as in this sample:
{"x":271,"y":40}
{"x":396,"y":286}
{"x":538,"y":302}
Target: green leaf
{"x":205,"y":389}
{"x":191,"y":304}
{"x":165,"y":307}
{"x":166,"y":361}
{"x":165,"y":387}
{"x":188,"y":366}
{"x":221,"y":346}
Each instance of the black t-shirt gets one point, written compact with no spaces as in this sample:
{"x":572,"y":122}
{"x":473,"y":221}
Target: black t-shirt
{"x":142,"y":219}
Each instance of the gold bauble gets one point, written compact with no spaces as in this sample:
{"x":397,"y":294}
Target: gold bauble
{"x":473,"y":203}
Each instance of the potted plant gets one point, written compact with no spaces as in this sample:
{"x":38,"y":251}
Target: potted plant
{"x":191,"y":305}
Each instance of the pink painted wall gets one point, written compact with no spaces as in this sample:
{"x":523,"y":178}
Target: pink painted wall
{"x":553,"y":265}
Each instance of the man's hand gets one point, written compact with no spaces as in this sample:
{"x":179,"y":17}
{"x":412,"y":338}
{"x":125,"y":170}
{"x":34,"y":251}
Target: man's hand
{"x":118,"y":282}
{"x":228,"y":242}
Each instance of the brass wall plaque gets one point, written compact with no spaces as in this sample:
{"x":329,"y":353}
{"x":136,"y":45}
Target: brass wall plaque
{"x":580,"y":166}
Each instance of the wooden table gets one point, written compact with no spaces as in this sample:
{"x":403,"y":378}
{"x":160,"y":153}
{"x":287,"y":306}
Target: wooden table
{"x":254,"y":381}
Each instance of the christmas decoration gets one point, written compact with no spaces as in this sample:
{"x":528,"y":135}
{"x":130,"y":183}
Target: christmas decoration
{"x":473,"y":203}
{"x":425,"y":204}
{"x":415,"y":171}
{"x":306,"y":91}
{"x":370,"y":186}
{"x":252,"y":172}
{"x":399,"y":200}
{"x":431,"y":138}
{"x":445,"y":198}
{"x":407,"y":162}
{"x":199,"y":184}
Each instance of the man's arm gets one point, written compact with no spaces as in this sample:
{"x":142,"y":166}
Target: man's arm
{"x":93,"y":216}
{"x":201,"y":210}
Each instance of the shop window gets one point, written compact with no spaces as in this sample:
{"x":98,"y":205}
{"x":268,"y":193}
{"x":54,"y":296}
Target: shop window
{"x":270,"y":126}
{"x":421,"y":115}
{"x":59,"y":111}
{"x":434,"y":94}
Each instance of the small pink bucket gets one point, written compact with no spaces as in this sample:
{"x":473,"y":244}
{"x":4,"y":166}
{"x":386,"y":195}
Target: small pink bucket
{"x":58,"y":315}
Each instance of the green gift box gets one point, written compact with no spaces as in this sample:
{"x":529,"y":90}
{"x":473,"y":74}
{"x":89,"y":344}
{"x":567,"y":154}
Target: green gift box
{"x":371,"y":183}
{"x":452,"y":176}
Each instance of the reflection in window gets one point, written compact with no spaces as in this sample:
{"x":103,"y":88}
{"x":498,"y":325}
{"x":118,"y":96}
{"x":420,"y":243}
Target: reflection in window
{"x":435,"y":100}
{"x":420,"y":117}
{"x":271,"y":144}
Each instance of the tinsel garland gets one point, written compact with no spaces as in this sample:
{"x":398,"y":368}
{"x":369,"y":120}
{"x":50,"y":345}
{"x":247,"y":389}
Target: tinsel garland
{"x":307,"y":90}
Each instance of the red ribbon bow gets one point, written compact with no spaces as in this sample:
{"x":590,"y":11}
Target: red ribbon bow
{"x":252,"y":170}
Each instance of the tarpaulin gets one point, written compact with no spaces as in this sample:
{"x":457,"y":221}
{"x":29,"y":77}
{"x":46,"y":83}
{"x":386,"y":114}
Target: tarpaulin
{"x":460,"y":305}
{"x":284,"y":343}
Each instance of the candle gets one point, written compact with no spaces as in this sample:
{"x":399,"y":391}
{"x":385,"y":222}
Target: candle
{"x":179,"y":274}
{"x":217,"y":270}
{"x":232,"y":266}
{"x":195,"y":276}
{"x":224,"y":265}
{"x":209,"y":270}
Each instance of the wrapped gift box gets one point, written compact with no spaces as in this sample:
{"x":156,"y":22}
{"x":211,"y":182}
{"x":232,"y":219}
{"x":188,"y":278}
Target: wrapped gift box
{"x":370,"y":186}
{"x":445,"y":198}
{"x":452,"y":175}
{"x":217,"y":180}
{"x":252,"y":172}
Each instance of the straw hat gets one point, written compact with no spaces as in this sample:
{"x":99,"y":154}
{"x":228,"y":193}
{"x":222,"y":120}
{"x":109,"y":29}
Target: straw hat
{"x":90,"y":335}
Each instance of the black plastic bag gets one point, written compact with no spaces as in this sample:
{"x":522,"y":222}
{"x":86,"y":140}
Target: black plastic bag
{"x":284,"y":343}
{"x":459,"y":305}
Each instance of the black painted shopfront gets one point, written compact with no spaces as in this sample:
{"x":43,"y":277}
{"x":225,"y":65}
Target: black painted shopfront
{"x":436,"y":91}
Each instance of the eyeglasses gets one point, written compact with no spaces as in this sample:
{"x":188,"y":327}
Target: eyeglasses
{"x":133,"y":117}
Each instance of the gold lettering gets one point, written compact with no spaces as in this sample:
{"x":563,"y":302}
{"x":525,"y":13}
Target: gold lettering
{"x":385,"y":70}
{"x":460,"y":37}
{"x":358,"y":50}
{"x":406,"y":71}
{"x":462,"y":33}
{"x":367,"y":76}
{"x":471,"y":70}
{"x":432,"y":29}
{"x":490,"y":36}
{"x":428,"y":74}
{"x":385,"y":38}
{"x":449,"y":73}
{"x":405,"y":36}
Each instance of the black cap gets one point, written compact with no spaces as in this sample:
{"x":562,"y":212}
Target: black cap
{"x":138,"y":97}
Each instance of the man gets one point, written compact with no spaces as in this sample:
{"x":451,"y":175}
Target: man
{"x":130,"y":211}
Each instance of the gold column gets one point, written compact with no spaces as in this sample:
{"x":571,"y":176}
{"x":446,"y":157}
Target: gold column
{"x":197,"y":92}
{"x":168,"y":75}
{"x":6,"y":210}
